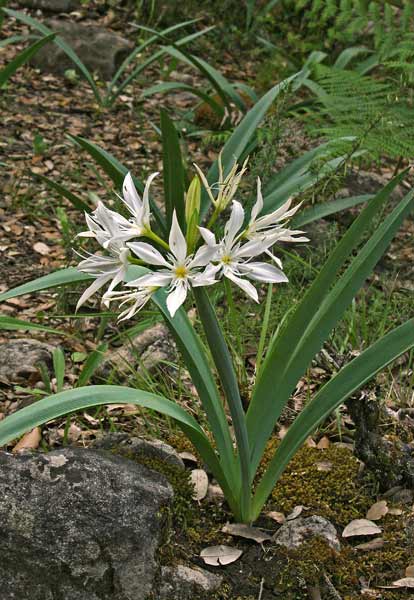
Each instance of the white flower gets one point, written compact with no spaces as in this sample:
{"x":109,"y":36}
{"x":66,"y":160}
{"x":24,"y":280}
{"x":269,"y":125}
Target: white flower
{"x":104,"y":225}
{"x":227,"y":186}
{"x":104,"y":269}
{"x":180,"y":272}
{"x":272,"y":224}
{"x":138,"y":298}
{"x":234,"y":257}
{"x":139,"y":223}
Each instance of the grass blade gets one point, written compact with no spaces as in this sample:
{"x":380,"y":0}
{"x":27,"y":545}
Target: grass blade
{"x":23,"y":57}
{"x":351,"y":378}
{"x":63,"y":191}
{"x":12,"y":324}
{"x":93,"y":361}
{"x":314,"y":213}
{"x":173,"y":171}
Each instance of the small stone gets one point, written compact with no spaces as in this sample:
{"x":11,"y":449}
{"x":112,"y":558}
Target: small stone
{"x":19,"y":360}
{"x":184,"y":583}
{"x":293,"y":534}
{"x":134,"y":447}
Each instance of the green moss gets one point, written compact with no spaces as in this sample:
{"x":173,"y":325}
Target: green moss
{"x":339,"y":494}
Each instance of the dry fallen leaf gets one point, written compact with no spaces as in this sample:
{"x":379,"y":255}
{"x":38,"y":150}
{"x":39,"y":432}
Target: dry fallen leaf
{"x":323,"y":443}
{"x":324,"y":465}
{"x":409,"y":571}
{"x":406,"y":582}
{"x":41,"y":248}
{"x":296,"y":512}
{"x":199,"y":479}
{"x":395,"y":511}
{"x":360,"y":527}
{"x":217,"y":556}
{"x":187,"y":456}
{"x":276,"y":516}
{"x":374,"y":544}
{"x":377,"y":510}
{"x":30,"y":441}
{"x":244,"y":531}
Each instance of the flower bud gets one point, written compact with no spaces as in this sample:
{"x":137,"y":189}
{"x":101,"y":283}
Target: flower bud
{"x":192,"y":212}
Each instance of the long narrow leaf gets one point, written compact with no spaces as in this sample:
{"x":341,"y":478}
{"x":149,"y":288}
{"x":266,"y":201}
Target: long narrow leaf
{"x":63,"y":191}
{"x":173,"y":171}
{"x":59,"y":41}
{"x":319,"y":211}
{"x":93,"y":361}
{"x":291,"y":352}
{"x":351,"y":378}
{"x":23,"y":57}
{"x":62,"y":277}
{"x":70,"y":401}
{"x":12,"y":324}
{"x":169,"y":86}
{"x":115,"y":170}
{"x":241,"y":137}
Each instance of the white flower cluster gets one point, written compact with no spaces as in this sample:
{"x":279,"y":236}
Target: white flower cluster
{"x":231,"y":257}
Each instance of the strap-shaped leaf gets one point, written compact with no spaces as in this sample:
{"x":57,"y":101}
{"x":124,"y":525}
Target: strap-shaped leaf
{"x":76,"y":399}
{"x":115,"y":170}
{"x":168,"y":86}
{"x":11,"y":324}
{"x":23,"y":57}
{"x":351,"y":378}
{"x":310,"y":325}
{"x":319,"y":211}
{"x":173,"y":171}
{"x":63,"y":191}
{"x":59,"y":41}
{"x":187,"y":340}
{"x":241,"y":137}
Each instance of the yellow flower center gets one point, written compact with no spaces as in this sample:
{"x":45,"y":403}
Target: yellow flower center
{"x":226,"y":259}
{"x":181,"y":272}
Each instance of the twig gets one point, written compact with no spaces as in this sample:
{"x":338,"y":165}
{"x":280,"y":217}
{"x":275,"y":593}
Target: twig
{"x":332,"y":590}
{"x":261,"y":589}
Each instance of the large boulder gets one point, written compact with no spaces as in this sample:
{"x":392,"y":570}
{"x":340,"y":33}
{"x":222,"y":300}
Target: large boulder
{"x":78,"y":525}
{"x":54,"y":6}
{"x":20,"y":358}
{"x":101,"y":51}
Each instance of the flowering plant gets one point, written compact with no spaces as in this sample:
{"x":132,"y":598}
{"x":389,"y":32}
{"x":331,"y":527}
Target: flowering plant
{"x":166,"y":269}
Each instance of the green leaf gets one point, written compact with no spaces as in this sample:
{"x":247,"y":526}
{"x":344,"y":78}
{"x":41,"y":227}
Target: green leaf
{"x":292,"y":351}
{"x":62,"y":277}
{"x":59,"y":41}
{"x":23,"y":57}
{"x":319,"y":211}
{"x":63,"y":191}
{"x":115,"y":170}
{"x":92,"y":363}
{"x":81,"y":398}
{"x":241,"y":136}
{"x":173,"y":172}
{"x":59,"y":367}
{"x":351,"y":378}
{"x":188,"y":343}
{"x":11,"y":324}
{"x":348,"y":55}
{"x":168,"y":86}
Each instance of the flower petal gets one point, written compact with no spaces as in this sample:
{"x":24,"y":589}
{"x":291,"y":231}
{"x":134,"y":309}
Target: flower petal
{"x":131,"y":196}
{"x":208,"y":236}
{"x":156,"y":279}
{"x":203,"y":256}
{"x":92,"y":289}
{"x":234,"y":223}
{"x":257,"y":208}
{"x":176,"y":298}
{"x":177,"y":242}
{"x":260,"y":271}
{"x":246,"y":286}
{"x":148,"y":254}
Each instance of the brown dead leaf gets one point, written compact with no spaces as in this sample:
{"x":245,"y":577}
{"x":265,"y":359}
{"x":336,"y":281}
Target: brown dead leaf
{"x":244,"y":531}
{"x":360,"y":527}
{"x":377,"y":511}
{"x":188,"y":457}
{"x":296,"y":512}
{"x":395,"y":511}
{"x":409,"y":571}
{"x":217,"y":556}
{"x":323,"y":443}
{"x":324,"y":465}
{"x":41,"y":248}
{"x":30,"y":441}
{"x":199,"y":479}
{"x":406,"y":582}
{"x":276,"y":516}
{"x":374,"y":544}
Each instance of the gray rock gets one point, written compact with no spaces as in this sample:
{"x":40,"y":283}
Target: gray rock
{"x":293,"y":534}
{"x":144,"y":353}
{"x":53,"y":6}
{"x":136,"y":447}
{"x":19,"y":360}
{"x":100,"y":50}
{"x":180,"y":583}
{"x":78,"y":525}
